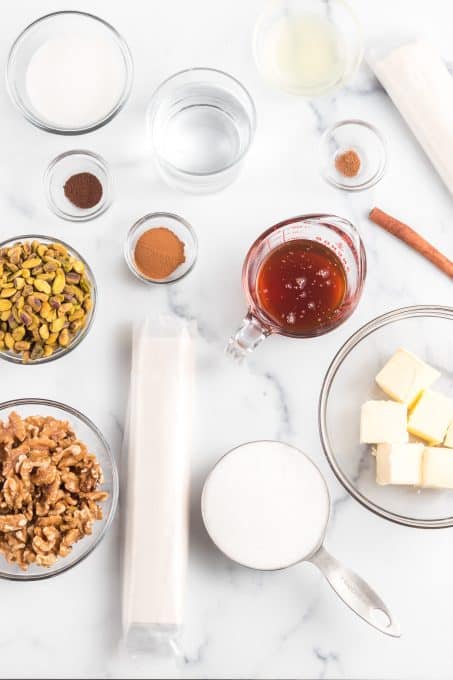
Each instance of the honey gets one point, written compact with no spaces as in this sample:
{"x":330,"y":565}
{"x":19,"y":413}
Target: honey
{"x":301,"y":286}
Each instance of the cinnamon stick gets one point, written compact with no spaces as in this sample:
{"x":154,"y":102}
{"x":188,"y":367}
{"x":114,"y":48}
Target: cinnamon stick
{"x":413,"y":240}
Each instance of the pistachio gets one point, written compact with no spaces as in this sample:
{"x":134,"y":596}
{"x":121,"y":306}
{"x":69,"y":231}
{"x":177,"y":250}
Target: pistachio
{"x":32,"y":262}
{"x":7,"y":292}
{"x":19,"y":333}
{"x":42,"y":286}
{"x":63,"y":338}
{"x":44,"y":331}
{"x":45,"y":298}
{"x":21,"y":346}
{"x":58,"y":324}
{"x":59,"y":282}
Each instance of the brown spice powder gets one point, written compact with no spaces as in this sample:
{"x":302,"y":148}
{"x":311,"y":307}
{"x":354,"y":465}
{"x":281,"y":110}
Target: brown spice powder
{"x":348,"y":163}
{"x":84,"y":190}
{"x":158,"y":252}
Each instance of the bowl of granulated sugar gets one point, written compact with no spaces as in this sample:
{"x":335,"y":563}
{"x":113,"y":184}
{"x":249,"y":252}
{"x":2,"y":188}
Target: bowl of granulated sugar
{"x":69,"y":72}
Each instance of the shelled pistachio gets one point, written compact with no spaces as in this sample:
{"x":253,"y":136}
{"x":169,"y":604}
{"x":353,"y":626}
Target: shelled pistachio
{"x":45,"y":298}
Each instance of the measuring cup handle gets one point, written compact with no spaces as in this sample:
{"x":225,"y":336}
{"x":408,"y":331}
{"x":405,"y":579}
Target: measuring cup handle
{"x":356,"y":593}
{"x":247,"y":338}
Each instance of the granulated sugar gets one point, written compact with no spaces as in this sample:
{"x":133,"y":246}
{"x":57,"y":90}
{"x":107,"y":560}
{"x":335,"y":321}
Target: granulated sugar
{"x":75,"y":80}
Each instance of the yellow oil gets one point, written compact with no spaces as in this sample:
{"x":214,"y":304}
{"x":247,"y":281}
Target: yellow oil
{"x":305,"y":54}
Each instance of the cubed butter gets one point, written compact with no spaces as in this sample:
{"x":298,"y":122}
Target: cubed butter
{"x":437,"y":468}
{"x":383,"y":422}
{"x":448,"y":441}
{"x":399,"y":464}
{"x":405,"y":376}
{"x":431,"y":416}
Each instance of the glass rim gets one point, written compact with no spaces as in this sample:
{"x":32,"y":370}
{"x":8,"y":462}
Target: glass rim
{"x":251,"y":117}
{"x":255,"y":311}
{"x":106,"y":199}
{"x":16,"y":359}
{"x":47,"y":127}
{"x":27,"y":401}
{"x":347,"y":75}
{"x":379,"y":173}
{"x":128,"y":254}
{"x":413,"y":311}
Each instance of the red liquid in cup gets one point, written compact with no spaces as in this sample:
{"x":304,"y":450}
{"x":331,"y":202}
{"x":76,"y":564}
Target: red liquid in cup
{"x":301,"y":285}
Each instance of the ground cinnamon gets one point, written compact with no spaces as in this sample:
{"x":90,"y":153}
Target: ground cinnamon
{"x":348,"y":163}
{"x":413,"y":239}
{"x":158,"y":253}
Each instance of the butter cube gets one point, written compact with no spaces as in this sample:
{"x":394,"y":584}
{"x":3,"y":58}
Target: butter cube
{"x":431,"y":416}
{"x":399,"y":464}
{"x":448,"y":441}
{"x":437,"y":468}
{"x":405,"y":376}
{"x":383,"y":422}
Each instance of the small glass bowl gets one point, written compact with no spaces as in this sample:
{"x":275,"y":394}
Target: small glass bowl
{"x":366,"y":141}
{"x":61,"y":169}
{"x":350,"y":381}
{"x":345,"y":28}
{"x":183,"y":231}
{"x":88,"y":433}
{"x":61,"y":351}
{"x":48,"y":27}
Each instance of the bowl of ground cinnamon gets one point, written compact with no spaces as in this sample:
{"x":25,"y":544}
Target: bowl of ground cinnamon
{"x":78,"y":185}
{"x":161,"y":248}
{"x":353,"y":155}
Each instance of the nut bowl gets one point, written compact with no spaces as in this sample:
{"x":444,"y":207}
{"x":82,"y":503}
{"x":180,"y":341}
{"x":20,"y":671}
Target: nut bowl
{"x":427,"y":331}
{"x":15,"y":357}
{"x":88,"y":433}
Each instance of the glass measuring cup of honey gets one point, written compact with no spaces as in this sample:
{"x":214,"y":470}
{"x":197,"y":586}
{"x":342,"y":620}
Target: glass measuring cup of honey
{"x":302,"y":278}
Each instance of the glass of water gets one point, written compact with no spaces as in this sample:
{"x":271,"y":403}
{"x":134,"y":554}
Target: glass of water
{"x":201,"y":123}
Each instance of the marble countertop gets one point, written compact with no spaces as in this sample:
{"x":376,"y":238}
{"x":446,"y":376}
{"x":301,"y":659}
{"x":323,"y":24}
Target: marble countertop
{"x":239,"y":623}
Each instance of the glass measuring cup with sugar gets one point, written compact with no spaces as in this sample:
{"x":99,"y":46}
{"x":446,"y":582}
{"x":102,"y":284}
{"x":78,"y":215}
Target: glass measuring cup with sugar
{"x":266,"y":506}
{"x":302,"y":278}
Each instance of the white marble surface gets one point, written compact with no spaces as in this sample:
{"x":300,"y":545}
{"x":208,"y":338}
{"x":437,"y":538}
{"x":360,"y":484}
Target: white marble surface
{"x":238,"y":623}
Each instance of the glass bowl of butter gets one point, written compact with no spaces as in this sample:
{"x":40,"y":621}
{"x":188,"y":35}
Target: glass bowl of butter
{"x":386,"y":416}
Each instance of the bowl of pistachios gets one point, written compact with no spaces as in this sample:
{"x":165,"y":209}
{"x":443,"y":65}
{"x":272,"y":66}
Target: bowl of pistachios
{"x":47,"y":299}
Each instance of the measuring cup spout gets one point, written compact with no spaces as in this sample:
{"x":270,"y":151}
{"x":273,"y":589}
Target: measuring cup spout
{"x":356,"y":593}
{"x":247,"y":338}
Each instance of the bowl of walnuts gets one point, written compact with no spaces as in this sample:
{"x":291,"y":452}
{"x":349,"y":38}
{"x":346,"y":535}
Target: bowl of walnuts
{"x":58,"y":488}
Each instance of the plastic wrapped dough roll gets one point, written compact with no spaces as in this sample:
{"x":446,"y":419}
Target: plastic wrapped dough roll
{"x":421,"y":87}
{"x":156,"y":512}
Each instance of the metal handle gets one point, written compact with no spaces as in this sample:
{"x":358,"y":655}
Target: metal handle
{"x":356,"y":593}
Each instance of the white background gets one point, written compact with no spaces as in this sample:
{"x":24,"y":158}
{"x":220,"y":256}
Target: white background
{"x":238,"y":623}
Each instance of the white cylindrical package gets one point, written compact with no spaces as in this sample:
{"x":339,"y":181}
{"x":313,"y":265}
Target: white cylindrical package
{"x":421,"y":87}
{"x":156,"y":509}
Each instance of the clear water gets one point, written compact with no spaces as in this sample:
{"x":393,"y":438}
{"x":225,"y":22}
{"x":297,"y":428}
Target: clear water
{"x":205,"y":131}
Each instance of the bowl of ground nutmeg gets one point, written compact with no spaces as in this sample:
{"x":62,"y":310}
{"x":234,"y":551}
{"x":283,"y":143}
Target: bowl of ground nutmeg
{"x":353,"y":155}
{"x":161,"y":248}
{"x":78,"y":185}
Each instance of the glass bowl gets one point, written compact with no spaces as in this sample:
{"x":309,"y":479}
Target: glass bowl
{"x":428,"y":332}
{"x":16,"y":358}
{"x":290,"y":34}
{"x":361,"y":137}
{"x":183,"y":231}
{"x":61,"y":169}
{"x":52,"y":26}
{"x":93,"y":438}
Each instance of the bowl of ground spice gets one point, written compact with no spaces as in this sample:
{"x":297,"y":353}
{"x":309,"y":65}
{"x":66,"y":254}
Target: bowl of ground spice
{"x":161,"y":248}
{"x":78,"y":185}
{"x":353,"y":155}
